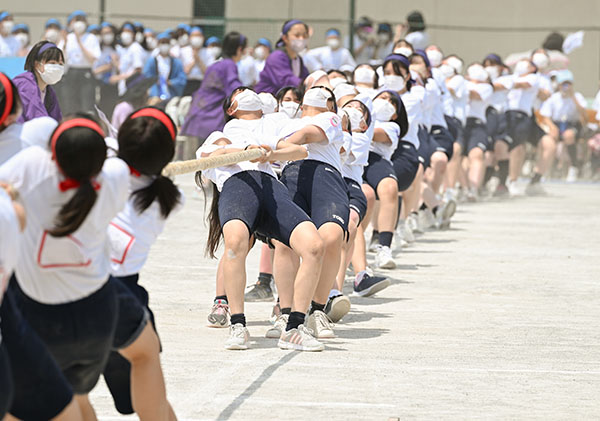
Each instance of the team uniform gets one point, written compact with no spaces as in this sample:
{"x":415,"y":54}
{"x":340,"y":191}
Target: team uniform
{"x":496,"y":120}
{"x":476,"y":132}
{"x":354,"y":160}
{"x":521,"y":127}
{"x":563,"y":112}
{"x":380,"y":154}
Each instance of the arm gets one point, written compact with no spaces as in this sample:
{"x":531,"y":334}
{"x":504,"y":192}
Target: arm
{"x":552,"y":129}
{"x":90,"y":55}
{"x":285,"y":152}
{"x":380,"y":136}
{"x":543,"y":94}
{"x":308,"y":134}
{"x":281,"y":68}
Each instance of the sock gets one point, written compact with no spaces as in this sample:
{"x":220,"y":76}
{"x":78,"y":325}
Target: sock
{"x":334,"y":293}
{"x":296,"y":319}
{"x":238,"y":318}
{"x":385,"y":238}
{"x":265,"y":279}
{"x":286,"y":310}
{"x":572,"y":149}
{"x":414,"y":213}
{"x":489,"y":171}
{"x":221,"y":298}
{"x":503,"y":171}
{"x":316,"y":307}
{"x":434,"y":210}
{"x":536,"y":178}
{"x":423,"y":207}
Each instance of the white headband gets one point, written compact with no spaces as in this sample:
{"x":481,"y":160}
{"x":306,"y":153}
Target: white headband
{"x":316,"y":97}
{"x":344,"y":89}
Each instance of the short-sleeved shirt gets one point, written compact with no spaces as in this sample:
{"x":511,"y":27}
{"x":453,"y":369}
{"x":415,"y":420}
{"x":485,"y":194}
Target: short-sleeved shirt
{"x":520,"y":99}
{"x":356,"y":157}
{"x":329,"y":59}
{"x":476,"y":107}
{"x":392,"y":130}
{"x":75,"y":58}
{"x":9,"y":240}
{"x":499,"y":98}
{"x":562,"y":109}
{"x":413,"y":104}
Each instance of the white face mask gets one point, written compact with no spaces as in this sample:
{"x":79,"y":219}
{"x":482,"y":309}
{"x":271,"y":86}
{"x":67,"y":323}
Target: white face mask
{"x":364,"y":75}
{"x":164,"y":49}
{"x":291,"y":108}
{"x":435,"y":57}
{"x":521,"y":68}
{"x":334,"y":82}
{"x":79,"y":27}
{"x":455,"y":63}
{"x":405,"y":51}
{"x":540,"y":60}
{"x":52,"y":35}
{"x":260,"y":53}
{"x":108,"y":39}
{"x":383,"y":38}
{"x":393,"y":82}
{"x":493,"y":72}
{"x":248,"y":100}
{"x":355,"y":116}
{"x":23,"y":39}
{"x":8,"y":26}
{"x":447,"y":70}
{"x":52,"y":73}
{"x":152,"y":43}
{"x":139,"y":37}
{"x":298,"y":45}
{"x":183,"y":40}
{"x":213,"y":51}
{"x":383,"y":110}
{"x":196,"y":41}
{"x":333,"y":43}
{"x":126,"y":38}
{"x":173,"y":42}
{"x":477,"y":73}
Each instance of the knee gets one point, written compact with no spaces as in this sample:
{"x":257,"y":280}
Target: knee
{"x":549,"y":143}
{"x":315,"y":250}
{"x":388,"y":189}
{"x":476,"y":154}
{"x":569,"y":137}
{"x":236,"y":245}
{"x":439,"y":160}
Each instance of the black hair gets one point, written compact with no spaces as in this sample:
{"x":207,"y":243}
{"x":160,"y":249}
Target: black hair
{"x":137,"y":90}
{"x":34,"y":56}
{"x":554,"y":41}
{"x":281,"y":93}
{"x":397,"y":65}
{"x":403,"y":41}
{"x":229,"y":100}
{"x":215,"y":230}
{"x":365,"y":110}
{"x":415,"y":22}
{"x":329,"y":72}
{"x":146,"y":145}
{"x":375,"y":77}
{"x":80,"y":153}
{"x":231,"y":42}
{"x":401,"y":115}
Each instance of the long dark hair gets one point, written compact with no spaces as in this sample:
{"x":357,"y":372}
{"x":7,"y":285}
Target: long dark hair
{"x":401,"y":115}
{"x":15,"y":100}
{"x":397,"y":65}
{"x":50,"y":54}
{"x":231,"y":42}
{"x":79,"y":152}
{"x":146,"y":144}
{"x":229,"y":100}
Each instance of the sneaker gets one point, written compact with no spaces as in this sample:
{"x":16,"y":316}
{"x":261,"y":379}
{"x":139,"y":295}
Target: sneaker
{"x":384,"y":259}
{"x":407,"y":233}
{"x":413,"y":223}
{"x":444,"y":213}
{"x":239,"y":337}
{"x":259,"y":292}
{"x":426,"y":219}
{"x":513,"y":189}
{"x":501,"y":191}
{"x":399,"y":241}
{"x":572,"y":175}
{"x":535,"y":189}
{"x":374,"y":244}
{"x":337,"y":307}
{"x":300,"y":339}
{"x":278,"y":327}
{"x":366,"y":285}
{"x":275,"y":312}
{"x":472,"y":195}
{"x":219,"y":315}
{"x":320,"y":324}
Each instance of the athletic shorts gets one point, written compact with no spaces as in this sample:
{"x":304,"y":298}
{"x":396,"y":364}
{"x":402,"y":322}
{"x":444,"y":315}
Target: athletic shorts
{"x":427,"y":146}
{"x":133,"y":317}
{"x":378,"y":169}
{"x":444,"y":139}
{"x":358,"y":200}
{"x":476,"y":136}
{"x":79,"y":334}
{"x":456,"y":128}
{"x":6,"y":383}
{"x":406,"y":164}
{"x":522,"y":129}
{"x":40,"y":389}
{"x":319,"y":189}
{"x":261,"y":202}
{"x":563,"y":126}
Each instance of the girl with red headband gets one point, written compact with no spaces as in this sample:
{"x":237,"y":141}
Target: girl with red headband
{"x":146,"y":144}
{"x":61,"y":282}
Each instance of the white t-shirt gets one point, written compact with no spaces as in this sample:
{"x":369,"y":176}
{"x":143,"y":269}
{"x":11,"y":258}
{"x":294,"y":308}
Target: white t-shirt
{"x":187,"y":57}
{"x":476,"y":107}
{"x":545,"y":85}
{"x":522,"y":99}
{"x":131,"y":234}
{"x":499,"y":98}
{"x":130,"y":58}
{"x":418,"y":39}
{"x":163,"y":65}
{"x":9,"y":46}
{"x":10,"y":237}
{"x":329,"y":59}
{"x":356,"y":156}
{"x":562,"y":109}
{"x":413,"y":102}
{"x":328,"y":150}
{"x":460,"y":96}
{"x":367,"y":55}
{"x":60,"y":270}
{"x":19,"y":136}
{"x":434,"y":106}
{"x":392,"y":130}
{"x":75,"y":58}
{"x":439,"y":109}
{"x":247,"y":71}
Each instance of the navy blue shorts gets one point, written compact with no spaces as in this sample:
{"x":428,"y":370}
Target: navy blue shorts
{"x":444,"y":139}
{"x":358,"y":200}
{"x":563,"y":126}
{"x":476,"y":136}
{"x":497,"y":125}
{"x":133,"y":317}
{"x":456,"y":128}
{"x":261,"y":202}
{"x":377,"y":170}
{"x":6,"y":383}
{"x":522,"y":128}
{"x":41,"y":391}
{"x":79,"y":334}
{"x":406,"y":164}
{"x":427,"y":146}
{"x":319,"y":189}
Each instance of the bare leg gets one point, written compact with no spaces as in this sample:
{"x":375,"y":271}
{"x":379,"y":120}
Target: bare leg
{"x":387,"y":190}
{"x":236,"y":236}
{"x":285,"y":268}
{"x":347,"y":250}
{"x":265,"y":264}
{"x":517,"y":158}
{"x":332,"y":235}
{"x":453,"y":167}
{"x":87,"y":411}
{"x":412,"y":195}
{"x":220,"y":279}
{"x":439,"y":164}
{"x":475,"y":168}
{"x":359,"y":256}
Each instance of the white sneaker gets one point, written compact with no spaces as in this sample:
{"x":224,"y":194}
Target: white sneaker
{"x":399,"y":241}
{"x":413,"y":223}
{"x":320,"y":324}
{"x":239,"y":337}
{"x":278,"y":327}
{"x":572,"y":175}
{"x":513,"y":189}
{"x":300,"y":339}
{"x":426,"y":219}
{"x":472,"y":195}
{"x":407,"y":233}
{"x":384,"y":259}
{"x":444,"y":213}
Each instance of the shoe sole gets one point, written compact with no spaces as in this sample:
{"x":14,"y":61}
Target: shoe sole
{"x":273,"y":334}
{"x":374,"y":289}
{"x":450,"y":210}
{"x":236,"y":347}
{"x":295,"y":347}
{"x":216,"y":325}
{"x":388,"y":265}
{"x":339,"y":310}
{"x":258,"y":300}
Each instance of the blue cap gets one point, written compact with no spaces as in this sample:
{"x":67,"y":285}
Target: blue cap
{"x":5,"y":15}
{"x":163,"y":35}
{"x":265,"y":42}
{"x":53,"y":21}
{"x":169,"y":31}
{"x":93,"y":27}
{"x":148,"y":31}
{"x":106,"y":25}
{"x":20,"y":27}
{"x":384,"y":27}
{"x":196,"y":29}
{"x":332,"y":32}
{"x":138,"y":23}
{"x":564,"y":76}
{"x":75,"y":14}
{"x":184,"y":26}
{"x":213,"y":40}
{"x":129,"y":27}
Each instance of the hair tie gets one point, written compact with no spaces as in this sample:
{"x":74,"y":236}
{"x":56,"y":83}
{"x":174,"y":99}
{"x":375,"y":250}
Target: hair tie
{"x":8,"y":91}
{"x":69,"y":124}
{"x":160,"y":116}
{"x":45,"y":47}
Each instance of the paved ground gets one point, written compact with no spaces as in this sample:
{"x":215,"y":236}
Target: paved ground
{"x":496,"y":318}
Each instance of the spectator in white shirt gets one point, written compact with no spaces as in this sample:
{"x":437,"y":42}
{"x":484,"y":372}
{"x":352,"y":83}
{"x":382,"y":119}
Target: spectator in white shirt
{"x":333,"y":56}
{"x":21,"y":34}
{"x":9,"y":46}
{"x":262,"y":49}
{"x":194,"y":58}
{"x":131,"y":57}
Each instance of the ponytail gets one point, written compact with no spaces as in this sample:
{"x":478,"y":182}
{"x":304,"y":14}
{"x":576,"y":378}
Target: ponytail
{"x":73,"y":213}
{"x":161,"y":189}
{"x":215,"y":231}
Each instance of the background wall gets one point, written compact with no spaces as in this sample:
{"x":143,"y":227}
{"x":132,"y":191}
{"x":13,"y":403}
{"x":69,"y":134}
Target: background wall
{"x":466,"y":27}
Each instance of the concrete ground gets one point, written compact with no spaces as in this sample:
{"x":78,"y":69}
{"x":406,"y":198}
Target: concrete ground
{"x":497,"y":317}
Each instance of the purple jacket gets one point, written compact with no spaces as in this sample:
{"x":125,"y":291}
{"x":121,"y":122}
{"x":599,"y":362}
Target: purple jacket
{"x":31,"y":98}
{"x":206,"y":112}
{"x":278,"y":73}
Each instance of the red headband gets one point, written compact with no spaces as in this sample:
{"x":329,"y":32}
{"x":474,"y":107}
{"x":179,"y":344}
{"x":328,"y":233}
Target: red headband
{"x":8,"y":104}
{"x":69,"y":124}
{"x":159,"y":115}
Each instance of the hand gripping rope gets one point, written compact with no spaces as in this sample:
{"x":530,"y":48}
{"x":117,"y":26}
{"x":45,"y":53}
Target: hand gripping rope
{"x":201,"y":164}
